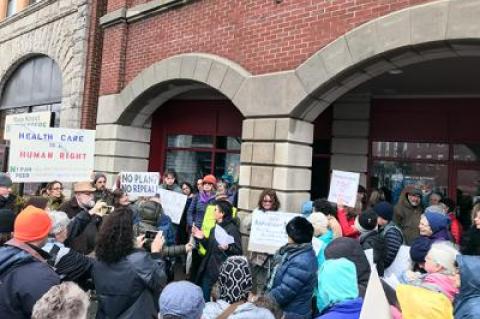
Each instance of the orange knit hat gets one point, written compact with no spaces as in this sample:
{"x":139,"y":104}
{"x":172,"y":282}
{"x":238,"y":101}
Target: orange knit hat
{"x":31,"y":224}
{"x":210,"y":179}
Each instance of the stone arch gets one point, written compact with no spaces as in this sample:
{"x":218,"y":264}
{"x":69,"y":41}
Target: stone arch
{"x":170,"y":77}
{"x":439,"y":29}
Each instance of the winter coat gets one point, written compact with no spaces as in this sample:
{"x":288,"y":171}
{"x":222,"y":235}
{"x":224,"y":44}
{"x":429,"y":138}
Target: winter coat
{"x":173,"y":188}
{"x":245,"y":311}
{"x":54,"y":203}
{"x":347,"y":224}
{"x":85,"y":242}
{"x":24,"y":278}
{"x":12,"y":202}
{"x":197,"y":208}
{"x":105,"y":196}
{"x":293,"y":280}
{"x":350,"y":248}
{"x":349,"y":309}
{"x":373,"y":240}
{"x":407,"y":218}
{"x":467,"y":302}
{"x":129,"y":288}
{"x":209,"y":223}
{"x":210,"y":266}
{"x":393,"y":240}
{"x":471,"y":242}
{"x":421,"y":303}
{"x":455,"y":228}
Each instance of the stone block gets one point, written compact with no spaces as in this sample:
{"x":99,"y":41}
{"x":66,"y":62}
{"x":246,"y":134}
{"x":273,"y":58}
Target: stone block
{"x":355,"y":79}
{"x":262,"y":176}
{"x":350,"y":128}
{"x":463,"y":19}
{"x":121,"y":148}
{"x":245,"y":175}
{"x":407,"y":58}
{"x":246,"y":152}
{"x":429,"y":23}
{"x":248,"y":126}
{"x":118,"y":164}
{"x":248,"y":198}
{"x":357,"y":146}
{"x":294,"y":130}
{"x":188,"y":65}
{"x":173,"y":67}
{"x":160,"y":71}
{"x":362,"y":42}
{"x":245,"y":221}
{"x":121,"y":132}
{"x":393,"y":31}
{"x":231,"y":83}
{"x":293,"y":154}
{"x":202,"y":70}
{"x":292,"y":179}
{"x":126,"y":97}
{"x":351,"y":110}
{"x":314,"y":109}
{"x":264,"y":129}
{"x":263,"y":153}
{"x":336,"y":56}
{"x":350,"y":163}
{"x":312,"y":73}
{"x":109,"y":109}
{"x":292,"y":201}
{"x":149,"y":77}
{"x":216,"y":74}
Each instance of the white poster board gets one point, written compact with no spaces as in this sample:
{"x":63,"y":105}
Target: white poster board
{"x":173,"y":204}
{"x":375,"y":303}
{"x":344,"y":186}
{"x":138,"y":184}
{"x":37,"y":119}
{"x":46,"y":154}
{"x":268,"y":232}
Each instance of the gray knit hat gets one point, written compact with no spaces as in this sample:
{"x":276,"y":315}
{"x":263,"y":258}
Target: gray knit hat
{"x":5,"y":180}
{"x":182,"y":299}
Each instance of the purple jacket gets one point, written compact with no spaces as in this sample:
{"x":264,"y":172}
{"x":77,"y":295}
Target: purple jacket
{"x":349,"y":309}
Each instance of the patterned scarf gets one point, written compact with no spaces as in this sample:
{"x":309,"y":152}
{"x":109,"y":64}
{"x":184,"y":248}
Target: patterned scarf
{"x":235,"y":279}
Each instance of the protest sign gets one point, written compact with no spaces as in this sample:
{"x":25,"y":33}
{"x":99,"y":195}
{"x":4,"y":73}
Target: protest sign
{"x":268,"y":231}
{"x":375,"y":303}
{"x":173,"y":204}
{"x":46,"y":154}
{"x":37,"y":119}
{"x":344,"y":186}
{"x":137,"y":184}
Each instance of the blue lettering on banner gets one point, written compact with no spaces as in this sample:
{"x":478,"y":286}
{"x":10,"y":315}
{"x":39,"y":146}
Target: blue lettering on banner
{"x":71,"y":138}
{"x":35,"y":136}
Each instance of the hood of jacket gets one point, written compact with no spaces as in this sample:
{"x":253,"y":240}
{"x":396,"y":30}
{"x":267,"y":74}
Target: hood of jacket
{"x":11,"y":257}
{"x":245,"y":311}
{"x":469,"y":278}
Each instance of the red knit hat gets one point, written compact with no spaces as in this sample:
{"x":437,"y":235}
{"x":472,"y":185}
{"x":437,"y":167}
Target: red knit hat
{"x":210,"y":179}
{"x":31,"y":224}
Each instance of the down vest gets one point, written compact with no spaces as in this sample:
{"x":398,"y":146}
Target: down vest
{"x":295,"y":277}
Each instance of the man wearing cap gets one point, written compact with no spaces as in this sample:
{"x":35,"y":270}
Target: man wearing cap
{"x":407,"y":213}
{"x":83,"y":202}
{"x":24,"y":273}
{"x":7,"y":199}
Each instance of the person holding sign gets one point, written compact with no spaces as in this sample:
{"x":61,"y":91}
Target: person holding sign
{"x":294,"y":275}
{"x":170,"y":181}
{"x":217,"y":252}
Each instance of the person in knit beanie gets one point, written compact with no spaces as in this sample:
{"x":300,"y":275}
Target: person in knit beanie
{"x":7,"y":217}
{"x":24,"y":271}
{"x":182,"y":300}
{"x":387,"y":229}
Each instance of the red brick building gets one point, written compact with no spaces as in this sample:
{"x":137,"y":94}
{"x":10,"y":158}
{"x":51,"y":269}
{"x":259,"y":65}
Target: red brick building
{"x":279,"y":92}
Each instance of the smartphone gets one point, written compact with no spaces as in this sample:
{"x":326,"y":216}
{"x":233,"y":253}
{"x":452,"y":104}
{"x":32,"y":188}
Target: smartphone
{"x":150,"y":234}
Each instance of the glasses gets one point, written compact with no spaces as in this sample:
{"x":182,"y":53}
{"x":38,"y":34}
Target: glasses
{"x":267,"y":201}
{"x":57,"y":189}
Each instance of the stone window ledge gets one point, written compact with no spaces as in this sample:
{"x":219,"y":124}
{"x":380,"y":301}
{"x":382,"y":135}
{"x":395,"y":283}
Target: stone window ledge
{"x":34,"y":7}
{"x":139,"y":12}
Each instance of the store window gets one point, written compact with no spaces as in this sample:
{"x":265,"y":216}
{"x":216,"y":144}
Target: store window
{"x":196,"y":138}
{"x":11,"y":7}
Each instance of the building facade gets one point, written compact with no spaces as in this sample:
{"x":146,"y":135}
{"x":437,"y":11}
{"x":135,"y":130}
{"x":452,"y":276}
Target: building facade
{"x":279,"y":93}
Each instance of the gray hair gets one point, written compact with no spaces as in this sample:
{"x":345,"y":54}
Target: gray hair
{"x":66,"y":300}
{"x":60,"y":221}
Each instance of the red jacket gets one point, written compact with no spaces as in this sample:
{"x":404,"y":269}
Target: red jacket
{"x":455,"y":228}
{"x":348,"y":229}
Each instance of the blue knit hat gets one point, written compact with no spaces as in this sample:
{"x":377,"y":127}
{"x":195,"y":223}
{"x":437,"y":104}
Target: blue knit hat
{"x":384,"y":210}
{"x":420,"y":248}
{"x":182,"y":299}
{"x":437,"y":221}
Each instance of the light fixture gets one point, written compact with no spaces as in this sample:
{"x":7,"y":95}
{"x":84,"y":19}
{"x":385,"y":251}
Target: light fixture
{"x":395,"y":72}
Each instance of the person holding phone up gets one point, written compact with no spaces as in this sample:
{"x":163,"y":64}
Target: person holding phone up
{"x":217,"y":253}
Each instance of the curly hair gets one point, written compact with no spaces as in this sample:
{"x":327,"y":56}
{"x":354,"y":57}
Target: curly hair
{"x":273,"y":196}
{"x":322,"y":205}
{"x":115,"y":238}
{"x":117,"y":194}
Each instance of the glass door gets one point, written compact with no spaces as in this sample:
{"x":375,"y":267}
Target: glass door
{"x":467,"y":181}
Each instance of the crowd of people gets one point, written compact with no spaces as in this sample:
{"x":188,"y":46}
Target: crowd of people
{"x":101,"y":253}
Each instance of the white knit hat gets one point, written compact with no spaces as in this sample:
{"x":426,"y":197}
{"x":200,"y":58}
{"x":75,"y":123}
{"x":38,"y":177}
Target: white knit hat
{"x":319,"y":222}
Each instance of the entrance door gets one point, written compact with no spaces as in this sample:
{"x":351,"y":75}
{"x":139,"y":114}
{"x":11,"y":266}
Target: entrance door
{"x":467,"y":181}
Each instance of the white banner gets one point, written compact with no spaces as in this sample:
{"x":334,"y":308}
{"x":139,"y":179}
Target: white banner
{"x":173,"y":204}
{"x":268,"y":232}
{"x":344,"y":187}
{"x":46,"y":154}
{"x":138,"y":184}
{"x":37,"y":119}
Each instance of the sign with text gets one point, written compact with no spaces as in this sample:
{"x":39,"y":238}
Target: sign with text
{"x":46,"y":154}
{"x":138,"y":184}
{"x":344,"y":187}
{"x":37,"y":119}
{"x":268,"y":232}
{"x":173,"y":204}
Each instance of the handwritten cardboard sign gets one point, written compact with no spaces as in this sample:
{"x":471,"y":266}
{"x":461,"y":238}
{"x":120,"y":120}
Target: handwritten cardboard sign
{"x":268,"y":232}
{"x":173,"y":204}
{"x":138,"y":184}
{"x":344,"y":186}
{"x":36,"y":119}
{"x":46,"y":154}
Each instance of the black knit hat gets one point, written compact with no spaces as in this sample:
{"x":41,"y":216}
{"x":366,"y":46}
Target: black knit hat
{"x":5,"y":180}
{"x":384,"y":210}
{"x":7,"y":218}
{"x":368,"y":219}
{"x":300,"y":230}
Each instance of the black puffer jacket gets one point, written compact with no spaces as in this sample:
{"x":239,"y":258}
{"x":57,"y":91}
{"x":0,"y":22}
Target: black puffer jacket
{"x":129,"y":288}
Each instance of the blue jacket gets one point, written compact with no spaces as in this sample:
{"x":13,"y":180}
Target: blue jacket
{"x":196,"y":211}
{"x":349,"y":309}
{"x":294,"y":281}
{"x":467,"y":302}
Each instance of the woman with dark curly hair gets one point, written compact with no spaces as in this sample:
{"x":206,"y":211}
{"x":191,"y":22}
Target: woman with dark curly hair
{"x":128,"y":280}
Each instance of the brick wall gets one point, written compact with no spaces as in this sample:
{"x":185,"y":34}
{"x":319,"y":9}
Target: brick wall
{"x":260,"y":35}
